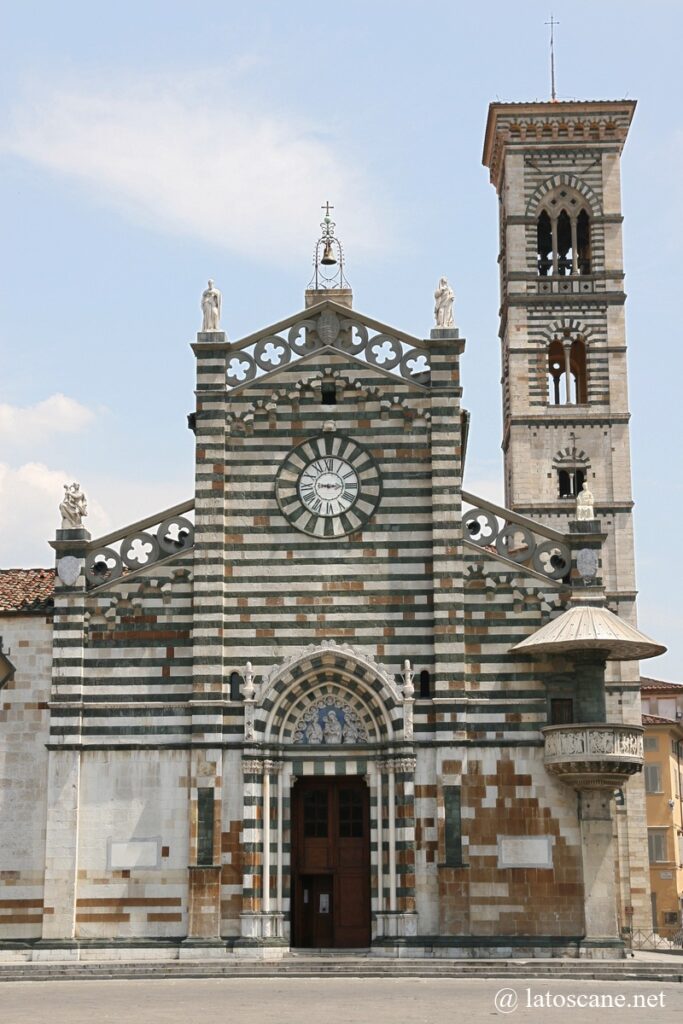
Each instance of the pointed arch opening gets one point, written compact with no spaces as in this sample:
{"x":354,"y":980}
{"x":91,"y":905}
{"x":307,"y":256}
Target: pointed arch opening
{"x":583,"y":242}
{"x":563,"y":234}
{"x":565,"y":252}
{"x":544,"y":245}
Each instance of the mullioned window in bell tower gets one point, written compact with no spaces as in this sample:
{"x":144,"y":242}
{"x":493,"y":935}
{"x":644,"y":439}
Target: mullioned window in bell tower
{"x":567,"y":382}
{"x":563,"y":235}
{"x":571,"y":466}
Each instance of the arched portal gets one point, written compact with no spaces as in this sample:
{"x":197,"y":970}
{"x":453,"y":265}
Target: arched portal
{"x":328,"y":763}
{"x":340,"y":675}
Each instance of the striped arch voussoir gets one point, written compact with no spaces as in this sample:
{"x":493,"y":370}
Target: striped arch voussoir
{"x":569,"y":181}
{"x":571,"y":457}
{"x":567,"y":327}
{"x":328,"y":674}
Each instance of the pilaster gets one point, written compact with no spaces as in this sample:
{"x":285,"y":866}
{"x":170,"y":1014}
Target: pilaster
{"x":445,"y":348}
{"x":64,"y":757}
{"x":204,"y":869}
{"x":209,"y":685}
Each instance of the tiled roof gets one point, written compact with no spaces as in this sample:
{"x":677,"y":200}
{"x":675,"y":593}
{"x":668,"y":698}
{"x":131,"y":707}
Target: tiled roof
{"x":659,"y":685}
{"x":658,"y":720}
{"x":26,"y":590}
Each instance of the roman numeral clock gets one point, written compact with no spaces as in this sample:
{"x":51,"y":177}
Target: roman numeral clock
{"x":328,"y":486}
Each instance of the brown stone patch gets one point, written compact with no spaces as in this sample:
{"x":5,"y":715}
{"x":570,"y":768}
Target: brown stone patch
{"x":552,"y":899}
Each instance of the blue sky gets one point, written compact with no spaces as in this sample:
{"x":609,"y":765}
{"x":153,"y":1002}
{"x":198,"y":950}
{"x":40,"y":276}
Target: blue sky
{"x":147,"y":146}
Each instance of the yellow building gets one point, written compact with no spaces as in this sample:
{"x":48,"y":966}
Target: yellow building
{"x":663,"y":743}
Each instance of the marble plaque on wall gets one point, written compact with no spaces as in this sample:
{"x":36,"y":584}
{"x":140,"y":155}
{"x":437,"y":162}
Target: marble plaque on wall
{"x":136,"y":853}
{"x":525,"y":851}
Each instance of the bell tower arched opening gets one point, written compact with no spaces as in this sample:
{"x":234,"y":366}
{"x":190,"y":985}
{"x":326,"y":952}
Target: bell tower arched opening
{"x":563,"y":234}
{"x":566,"y":375}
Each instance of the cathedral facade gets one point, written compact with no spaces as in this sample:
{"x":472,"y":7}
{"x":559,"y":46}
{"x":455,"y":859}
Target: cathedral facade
{"x":334,"y":700}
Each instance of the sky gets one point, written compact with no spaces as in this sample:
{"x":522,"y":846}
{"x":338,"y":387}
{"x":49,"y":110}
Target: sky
{"x":147,"y":146}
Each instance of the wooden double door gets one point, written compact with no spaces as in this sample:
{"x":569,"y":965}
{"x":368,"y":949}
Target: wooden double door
{"x":330,"y":864}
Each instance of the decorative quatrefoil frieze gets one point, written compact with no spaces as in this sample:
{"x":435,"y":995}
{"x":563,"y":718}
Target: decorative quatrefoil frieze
{"x":494,"y":530}
{"x":344,"y":333}
{"x":137,"y":548}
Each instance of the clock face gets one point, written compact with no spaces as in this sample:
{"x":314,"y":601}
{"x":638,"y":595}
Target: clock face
{"x":328,"y":486}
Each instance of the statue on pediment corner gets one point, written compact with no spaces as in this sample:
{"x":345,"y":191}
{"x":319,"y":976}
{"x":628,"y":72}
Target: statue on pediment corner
{"x":73,"y":507}
{"x":211,"y":308}
{"x":444,"y":296}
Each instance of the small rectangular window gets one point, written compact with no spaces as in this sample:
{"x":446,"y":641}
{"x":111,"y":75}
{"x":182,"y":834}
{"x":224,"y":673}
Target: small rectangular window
{"x":656,"y":845}
{"x":561,"y":710}
{"x":205,"y":826}
{"x":235,"y":686}
{"x":453,"y":825}
{"x":650,"y":743}
{"x":666,"y":707}
{"x":670,"y":917}
{"x":653,"y":778}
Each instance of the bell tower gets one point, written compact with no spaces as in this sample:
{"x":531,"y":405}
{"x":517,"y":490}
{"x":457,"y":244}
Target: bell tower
{"x":556,"y":169}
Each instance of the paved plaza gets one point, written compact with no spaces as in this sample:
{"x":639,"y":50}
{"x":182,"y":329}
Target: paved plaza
{"x":332,"y":1001}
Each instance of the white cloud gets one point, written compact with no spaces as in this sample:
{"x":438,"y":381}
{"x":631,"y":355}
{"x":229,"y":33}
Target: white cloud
{"x":194,"y":157}
{"x":29,"y":507}
{"x":29,"y":513}
{"x":31,"y":423}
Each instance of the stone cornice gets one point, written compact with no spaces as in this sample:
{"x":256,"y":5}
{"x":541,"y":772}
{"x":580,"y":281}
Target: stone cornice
{"x":539,"y":125}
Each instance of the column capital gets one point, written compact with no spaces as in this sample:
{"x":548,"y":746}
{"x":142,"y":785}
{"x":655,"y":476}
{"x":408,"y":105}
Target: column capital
{"x":397,"y":764}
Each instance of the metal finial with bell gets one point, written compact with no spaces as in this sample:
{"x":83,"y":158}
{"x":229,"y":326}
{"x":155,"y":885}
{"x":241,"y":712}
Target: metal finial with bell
{"x":328,"y":257}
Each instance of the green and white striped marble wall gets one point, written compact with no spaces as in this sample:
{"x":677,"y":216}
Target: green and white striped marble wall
{"x":374,"y":588}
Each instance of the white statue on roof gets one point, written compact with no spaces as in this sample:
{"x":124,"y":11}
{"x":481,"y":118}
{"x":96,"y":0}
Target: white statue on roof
{"x":211,"y":308}
{"x":73,"y":507}
{"x":584,"y":504}
{"x":444,"y":297}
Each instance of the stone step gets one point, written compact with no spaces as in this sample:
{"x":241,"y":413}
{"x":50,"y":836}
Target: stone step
{"x":365,"y":968}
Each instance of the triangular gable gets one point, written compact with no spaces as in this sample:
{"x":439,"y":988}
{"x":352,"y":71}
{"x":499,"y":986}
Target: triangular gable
{"x":328,"y":326}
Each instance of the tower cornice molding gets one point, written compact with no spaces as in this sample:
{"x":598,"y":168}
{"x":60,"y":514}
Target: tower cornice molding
{"x":564,"y":123}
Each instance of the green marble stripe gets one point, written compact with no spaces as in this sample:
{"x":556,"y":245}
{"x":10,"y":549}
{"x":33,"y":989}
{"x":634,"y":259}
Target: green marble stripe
{"x":136,"y":698}
{"x":177,"y":730}
{"x":92,"y":664}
